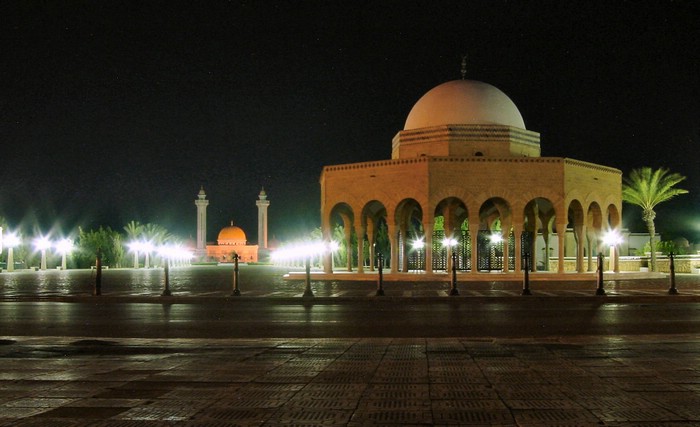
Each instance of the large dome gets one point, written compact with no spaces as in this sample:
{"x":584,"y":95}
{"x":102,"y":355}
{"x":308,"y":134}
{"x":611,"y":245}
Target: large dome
{"x":231,"y":235}
{"x":464,"y":102}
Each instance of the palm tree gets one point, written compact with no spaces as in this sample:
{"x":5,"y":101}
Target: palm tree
{"x":647,"y":188}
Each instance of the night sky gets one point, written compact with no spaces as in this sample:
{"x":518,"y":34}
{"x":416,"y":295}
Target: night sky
{"x":112,"y":111}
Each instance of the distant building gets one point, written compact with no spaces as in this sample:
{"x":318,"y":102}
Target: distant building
{"x":231,"y":239}
{"x":464,"y":167}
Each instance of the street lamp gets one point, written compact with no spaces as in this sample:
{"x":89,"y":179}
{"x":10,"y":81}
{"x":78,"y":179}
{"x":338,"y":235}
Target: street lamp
{"x":135,"y":247}
{"x":147,"y":247}
{"x":333,"y":246}
{"x":42,"y":244}
{"x":449,"y":243}
{"x":166,"y":252}
{"x":418,"y":245}
{"x":495,"y":239}
{"x":11,"y":241}
{"x":63,"y":247}
{"x":612,"y":239}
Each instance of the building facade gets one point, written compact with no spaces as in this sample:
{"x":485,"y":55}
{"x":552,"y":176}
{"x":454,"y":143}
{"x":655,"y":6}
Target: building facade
{"x":466,"y":177}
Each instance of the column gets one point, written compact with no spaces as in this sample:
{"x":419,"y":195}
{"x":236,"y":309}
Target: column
{"x":201,"y":203}
{"x":262,"y":204}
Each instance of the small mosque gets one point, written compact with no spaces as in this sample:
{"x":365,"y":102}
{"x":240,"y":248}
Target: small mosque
{"x":466,"y":177}
{"x":231,"y":239}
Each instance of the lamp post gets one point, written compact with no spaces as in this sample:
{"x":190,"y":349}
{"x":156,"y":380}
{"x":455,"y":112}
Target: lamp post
{"x":11,"y":241}
{"x":64,"y":246}
{"x":97,"y":291}
{"x":147,"y":248}
{"x":613,"y":239}
{"x":600,"y":290}
{"x":135,"y":247}
{"x":236,"y":291}
{"x":454,"y":291}
{"x":418,"y":245}
{"x":526,"y":274}
{"x":380,"y":281}
{"x":672,"y":275}
{"x":449,"y":243}
{"x":42,"y":244}
{"x":308,"y":293}
{"x":166,"y":253}
{"x":495,"y":239}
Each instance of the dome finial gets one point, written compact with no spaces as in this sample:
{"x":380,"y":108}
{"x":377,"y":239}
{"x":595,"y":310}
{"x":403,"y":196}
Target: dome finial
{"x":464,"y":66}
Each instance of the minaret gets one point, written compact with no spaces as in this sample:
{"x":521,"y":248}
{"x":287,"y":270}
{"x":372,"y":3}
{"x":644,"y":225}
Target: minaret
{"x":201,"y":202}
{"x":262,"y":203}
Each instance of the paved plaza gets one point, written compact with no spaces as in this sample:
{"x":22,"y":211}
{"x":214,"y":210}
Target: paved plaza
{"x":575,"y":380}
{"x":584,"y":381}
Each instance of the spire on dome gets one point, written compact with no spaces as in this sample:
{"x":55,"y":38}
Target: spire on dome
{"x":464,"y":66}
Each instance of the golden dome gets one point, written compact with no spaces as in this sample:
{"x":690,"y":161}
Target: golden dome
{"x":231,"y":235}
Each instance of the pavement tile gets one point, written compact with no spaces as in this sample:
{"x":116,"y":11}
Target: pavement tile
{"x":403,"y":383}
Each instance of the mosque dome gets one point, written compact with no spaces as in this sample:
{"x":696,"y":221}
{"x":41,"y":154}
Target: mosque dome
{"x":231,"y":235}
{"x":464,"y":102}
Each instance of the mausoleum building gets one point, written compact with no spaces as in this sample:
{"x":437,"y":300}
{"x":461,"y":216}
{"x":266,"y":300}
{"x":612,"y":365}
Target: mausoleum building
{"x":466,"y":176}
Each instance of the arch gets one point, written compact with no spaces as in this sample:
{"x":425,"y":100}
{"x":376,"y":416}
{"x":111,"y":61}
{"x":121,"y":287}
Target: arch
{"x":576,"y":221}
{"x":455,"y":215}
{"x":346,"y":216}
{"x":372,"y":220}
{"x":495,"y":241}
{"x":613,"y":217}
{"x":594,"y":232}
{"x":408,"y":218}
{"x":538,"y":221}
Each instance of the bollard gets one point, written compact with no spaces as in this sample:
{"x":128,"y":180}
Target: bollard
{"x":672,"y":269}
{"x":166,"y":270}
{"x":236,"y":291}
{"x":454,"y":291}
{"x":380,"y":281}
{"x":97,"y":291}
{"x":600,"y":290}
{"x":526,"y":274}
{"x":308,"y":293}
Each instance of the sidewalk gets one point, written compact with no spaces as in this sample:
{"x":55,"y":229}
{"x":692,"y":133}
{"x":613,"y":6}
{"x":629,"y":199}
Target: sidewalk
{"x":292,"y":291}
{"x":584,"y":381}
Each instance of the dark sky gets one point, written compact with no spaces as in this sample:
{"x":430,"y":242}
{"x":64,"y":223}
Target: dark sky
{"x":113,"y":111}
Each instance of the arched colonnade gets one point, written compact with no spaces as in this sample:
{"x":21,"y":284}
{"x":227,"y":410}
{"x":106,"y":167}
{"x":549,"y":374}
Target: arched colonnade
{"x":490,"y":233}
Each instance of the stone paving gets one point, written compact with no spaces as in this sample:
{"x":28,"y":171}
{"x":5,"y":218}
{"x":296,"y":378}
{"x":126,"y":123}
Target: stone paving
{"x":583,"y":381}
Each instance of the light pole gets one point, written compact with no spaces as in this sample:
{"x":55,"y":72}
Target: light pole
{"x":380,"y":278}
{"x":672,"y":275}
{"x":166,"y":253}
{"x":495,"y":239}
{"x":147,"y":248}
{"x":135,"y":247}
{"x":613,"y":239}
{"x":236,"y":291}
{"x":526,"y":274}
{"x":11,"y":241}
{"x":308,"y":293}
{"x":601,"y":289}
{"x":42,"y":244}
{"x":63,"y":247}
{"x":418,"y":245}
